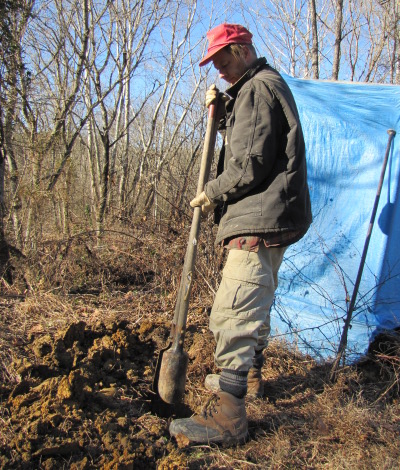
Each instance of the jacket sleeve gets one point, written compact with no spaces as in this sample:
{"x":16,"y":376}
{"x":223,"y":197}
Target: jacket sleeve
{"x":254,"y":143}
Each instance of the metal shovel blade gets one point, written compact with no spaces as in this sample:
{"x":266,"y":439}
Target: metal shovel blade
{"x":173,"y":372}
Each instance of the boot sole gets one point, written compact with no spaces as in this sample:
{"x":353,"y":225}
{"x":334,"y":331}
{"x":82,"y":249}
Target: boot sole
{"x":225,"y":441}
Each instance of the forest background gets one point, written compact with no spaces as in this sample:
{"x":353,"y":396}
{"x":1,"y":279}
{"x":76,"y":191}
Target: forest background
{"x":102,"y":113}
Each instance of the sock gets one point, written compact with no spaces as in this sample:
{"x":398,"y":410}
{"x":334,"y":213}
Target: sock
{"x":234,"y":382}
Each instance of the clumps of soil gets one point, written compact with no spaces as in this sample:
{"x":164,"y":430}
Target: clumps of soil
{"x":380,"y":367}
{"x":80,"y":396}
{"x":84,"y":401}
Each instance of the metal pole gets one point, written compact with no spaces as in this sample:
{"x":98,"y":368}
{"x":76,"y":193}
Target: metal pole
{"x":343,"y":339}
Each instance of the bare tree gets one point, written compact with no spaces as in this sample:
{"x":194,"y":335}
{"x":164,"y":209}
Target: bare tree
{"x":293,"y":33}
{"x":14,"y":79}
{"x":356,"y":40}
{"x":282,"y":27}
{"x":8,"y":79}
{"x":391,"y":10}
{"x":162,"y":133}
{"x":114,"y":89}
{"x":119,"y":41}
{"x":370,"y":42}
{"x":338,"y":33}
{"x":315,"y":43}
{"x":353,"y":39}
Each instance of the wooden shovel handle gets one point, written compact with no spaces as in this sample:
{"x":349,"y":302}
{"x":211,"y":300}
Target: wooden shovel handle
{"x":185,"y":287}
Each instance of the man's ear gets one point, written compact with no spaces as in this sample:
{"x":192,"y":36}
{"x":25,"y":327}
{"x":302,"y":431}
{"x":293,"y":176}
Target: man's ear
{"x":247,"y":54}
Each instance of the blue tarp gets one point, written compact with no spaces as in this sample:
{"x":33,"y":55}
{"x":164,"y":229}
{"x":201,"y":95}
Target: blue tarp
{"x":345,"y":127}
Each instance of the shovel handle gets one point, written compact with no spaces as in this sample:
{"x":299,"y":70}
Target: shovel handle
{"x":185,"y":287}
{"x":208,"y":149}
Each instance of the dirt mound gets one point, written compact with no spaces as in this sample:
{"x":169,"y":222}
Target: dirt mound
{"x":78,"y":394}
{"x":84,"y":401}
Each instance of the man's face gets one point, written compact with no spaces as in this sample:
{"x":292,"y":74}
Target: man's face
{"x":229,"y":67}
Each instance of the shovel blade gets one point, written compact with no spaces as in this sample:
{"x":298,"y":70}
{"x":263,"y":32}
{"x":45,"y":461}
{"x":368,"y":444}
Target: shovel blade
{"x":172,"y":376}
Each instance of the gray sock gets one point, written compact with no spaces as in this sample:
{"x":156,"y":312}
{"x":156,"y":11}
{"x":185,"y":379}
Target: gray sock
{"x":234,"y":382}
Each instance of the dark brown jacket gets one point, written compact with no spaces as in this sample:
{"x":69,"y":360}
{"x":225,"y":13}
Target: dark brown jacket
{"x":262,"y":186}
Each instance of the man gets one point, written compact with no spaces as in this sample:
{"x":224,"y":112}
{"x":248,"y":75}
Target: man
{"x":262,"y":195}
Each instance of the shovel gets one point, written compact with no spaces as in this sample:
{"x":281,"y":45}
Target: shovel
{"x":170,"y":375}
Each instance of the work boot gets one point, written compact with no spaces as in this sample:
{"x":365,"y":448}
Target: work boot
{"x":223,"y":421}
{"x":255,"y":384}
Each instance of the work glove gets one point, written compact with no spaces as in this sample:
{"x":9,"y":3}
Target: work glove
{"x":202,"y":200}
{"x":211,"y":96}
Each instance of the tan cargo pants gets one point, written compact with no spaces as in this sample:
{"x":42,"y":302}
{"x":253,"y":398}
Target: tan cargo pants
{"x":240,"y":319}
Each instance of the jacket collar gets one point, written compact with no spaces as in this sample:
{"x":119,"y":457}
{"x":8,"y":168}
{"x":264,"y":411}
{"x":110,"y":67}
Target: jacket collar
{"x":234,"y":89}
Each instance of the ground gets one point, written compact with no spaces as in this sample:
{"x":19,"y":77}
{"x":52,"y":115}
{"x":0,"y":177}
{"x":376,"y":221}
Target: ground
{"x":77,"y":366}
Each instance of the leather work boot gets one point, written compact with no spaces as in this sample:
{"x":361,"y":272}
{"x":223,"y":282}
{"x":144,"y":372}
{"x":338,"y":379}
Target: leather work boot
{"x":223,"y":421}
{"x":255,"y":384}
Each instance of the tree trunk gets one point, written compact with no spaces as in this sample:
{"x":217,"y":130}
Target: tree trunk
{"x":396,"y":47}
{"x":315,"y":46}
{"x":5,"y":271}
{"x":124,"y":156}
{"x":104,"y":183}
{"x":338,"y":39}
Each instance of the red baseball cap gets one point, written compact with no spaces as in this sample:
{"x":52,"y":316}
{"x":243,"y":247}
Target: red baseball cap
{"x":221,"y":36}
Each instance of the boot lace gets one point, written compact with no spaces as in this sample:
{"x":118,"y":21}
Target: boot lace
{"x":210,"y":407}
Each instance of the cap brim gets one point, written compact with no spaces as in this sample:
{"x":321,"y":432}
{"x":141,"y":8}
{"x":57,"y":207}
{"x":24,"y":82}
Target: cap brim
{"x":209,"y":57}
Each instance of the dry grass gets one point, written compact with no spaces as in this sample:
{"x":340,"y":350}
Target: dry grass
{"x":305,"y":421}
